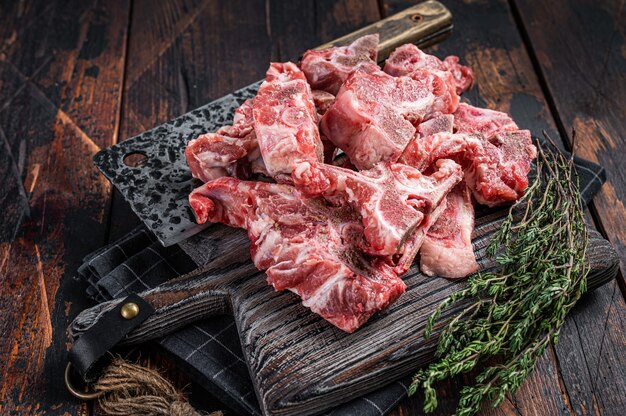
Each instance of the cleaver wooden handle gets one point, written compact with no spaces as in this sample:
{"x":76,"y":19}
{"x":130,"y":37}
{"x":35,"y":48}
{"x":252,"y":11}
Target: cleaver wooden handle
{"x":423,"y":24}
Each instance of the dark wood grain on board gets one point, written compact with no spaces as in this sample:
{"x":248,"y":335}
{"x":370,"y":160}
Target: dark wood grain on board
{"x":182,"y":54}
{"x":61,"y":71}
{"x":298,"y":362}
{"x":505,"y":80}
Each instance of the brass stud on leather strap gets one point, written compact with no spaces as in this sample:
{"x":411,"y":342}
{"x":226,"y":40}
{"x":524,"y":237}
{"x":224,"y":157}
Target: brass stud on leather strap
{"x":129,"y":310}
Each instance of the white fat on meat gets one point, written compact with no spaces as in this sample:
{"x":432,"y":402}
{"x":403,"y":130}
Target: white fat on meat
{"x":305,"y":246}
{"x":374,"y":116}
{"x":447,"y":249}
{"x":285,"y":120}
{"x":392,"y":199}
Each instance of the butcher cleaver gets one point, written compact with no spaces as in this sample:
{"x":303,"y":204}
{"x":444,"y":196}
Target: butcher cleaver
{"x":150,"y":169}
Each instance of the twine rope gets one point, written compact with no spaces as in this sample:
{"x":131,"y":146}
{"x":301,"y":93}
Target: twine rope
{"x":131,"y":389}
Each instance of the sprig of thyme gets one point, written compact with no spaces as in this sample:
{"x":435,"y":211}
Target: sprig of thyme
{"x":512,"y":315}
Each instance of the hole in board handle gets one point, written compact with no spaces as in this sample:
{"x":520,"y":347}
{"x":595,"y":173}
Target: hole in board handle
{"x":416,"y":17}
{"x":135,"y":159}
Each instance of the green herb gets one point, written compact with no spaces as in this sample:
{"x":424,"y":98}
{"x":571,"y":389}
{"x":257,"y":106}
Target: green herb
{"x":514,"y":314}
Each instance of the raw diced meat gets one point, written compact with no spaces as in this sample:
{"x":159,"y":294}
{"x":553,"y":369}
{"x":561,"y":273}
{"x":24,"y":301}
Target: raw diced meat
{"x":231,"y":151}
{"x":373,"y":116}
{"x":500,"y":174}
{"x":404,"y":259}
{"x":408,"y":58}
{"x":496,"y":169}
{"x":213,"y":155}
{"x":470,"y":119}
{"x":322,"y":100}
{"x":327,"y":69}
{"x":391,"y":198}
{"x":422,"y":152}
{"x":439,"y":124}
{"x":304,"y":246}
{"x":463,"y":75}
{"x":285,"y":121}
{"x":447,"y":249}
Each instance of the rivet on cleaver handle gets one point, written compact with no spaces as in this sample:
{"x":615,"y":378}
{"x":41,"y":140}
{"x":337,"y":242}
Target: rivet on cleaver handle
{"x":158,"y":186}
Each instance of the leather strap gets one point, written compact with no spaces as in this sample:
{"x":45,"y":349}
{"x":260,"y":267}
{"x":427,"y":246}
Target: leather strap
{"x":88,"y":352}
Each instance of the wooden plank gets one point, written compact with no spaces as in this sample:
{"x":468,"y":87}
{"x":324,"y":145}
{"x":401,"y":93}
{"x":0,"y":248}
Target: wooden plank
{"x":183,"y":54}
{"x":485,"y":38}
{"x":579,"y":48}
{"x":59,"y":105}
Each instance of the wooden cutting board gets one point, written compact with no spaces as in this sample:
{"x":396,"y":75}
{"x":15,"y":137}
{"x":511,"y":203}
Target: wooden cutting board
{"x":299,"y":364}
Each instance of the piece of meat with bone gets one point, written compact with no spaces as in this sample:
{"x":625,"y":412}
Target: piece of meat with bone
{"x":231,"y":151}
{"x":500,"y":173}
{"x":374,"y":115}
{"x":409,"y":58}
{"x":391,"y":198}
{"x":447,"y":249}
{"x":470,"y":119}
{"x":305,"y":246}
{"x":496,"y":169}
{"x":285,"y":121}
{"x":327,"y":69}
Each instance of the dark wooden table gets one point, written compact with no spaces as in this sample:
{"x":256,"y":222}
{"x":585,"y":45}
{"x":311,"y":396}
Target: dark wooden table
{"x":77,"y":76}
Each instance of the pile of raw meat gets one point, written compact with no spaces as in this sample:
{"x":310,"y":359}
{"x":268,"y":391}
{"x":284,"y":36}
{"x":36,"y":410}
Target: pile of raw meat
{"x":339,"y":230}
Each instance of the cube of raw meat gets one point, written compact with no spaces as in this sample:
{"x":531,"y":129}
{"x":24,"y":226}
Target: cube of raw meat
{"x":408,"y":58}
{"x":322,"y":100}
{"x":305,"y":246}
{"x":500,"y":173}
{"x":285,"y":121}
{"x":470,"y":119}
{"x":447,"y":249}
{"x":496,"y":169}
{"x":393,"y":199}
{"x":327,"y":69}
{"x":443,"y":123}
{"x":423,"y":151}
{"x":212,"y":155}
{"x":374,"y":115}
{"x":231,"y":151}
{"x":404,"y":259}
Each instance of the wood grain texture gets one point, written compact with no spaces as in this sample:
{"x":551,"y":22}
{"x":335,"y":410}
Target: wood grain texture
{"x":585,"y":74}
{"x":42,"y":40}
{"x":505,"y":79}
{"x":298,"y":361}
{"x":421,"y":24}
{"x":61,"y":67}
{"x":183,"y":54}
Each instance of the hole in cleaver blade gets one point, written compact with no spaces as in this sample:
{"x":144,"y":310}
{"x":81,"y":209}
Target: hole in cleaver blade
{"x":157,"y":188}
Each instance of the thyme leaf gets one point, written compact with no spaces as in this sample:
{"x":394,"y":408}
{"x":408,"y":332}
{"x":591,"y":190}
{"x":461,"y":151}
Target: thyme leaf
{"x":513,"y":314}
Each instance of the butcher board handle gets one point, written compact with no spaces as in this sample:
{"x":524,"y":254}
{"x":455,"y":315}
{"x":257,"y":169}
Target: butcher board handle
{"x":179,"y":302}
{"x":423,"y":24}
